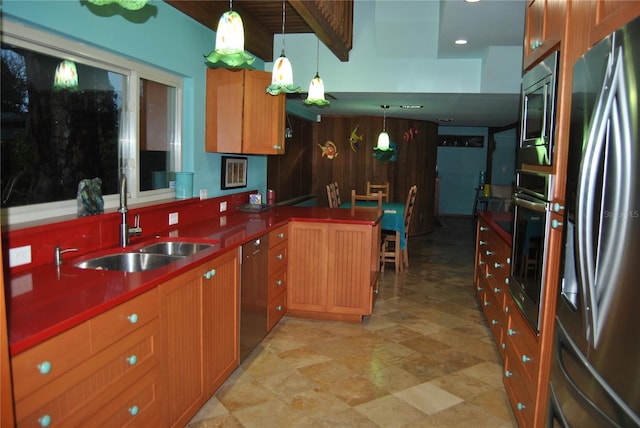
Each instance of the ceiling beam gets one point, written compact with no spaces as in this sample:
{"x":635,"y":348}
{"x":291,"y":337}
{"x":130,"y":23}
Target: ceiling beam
{"x":331,"y":21}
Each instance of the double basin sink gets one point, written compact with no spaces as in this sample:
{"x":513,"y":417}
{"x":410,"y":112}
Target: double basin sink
{"x":146,"y":258}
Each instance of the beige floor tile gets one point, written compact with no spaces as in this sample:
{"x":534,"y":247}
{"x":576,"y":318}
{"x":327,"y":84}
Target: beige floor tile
{"x":390,"y":411}
{"x":428,"y":398}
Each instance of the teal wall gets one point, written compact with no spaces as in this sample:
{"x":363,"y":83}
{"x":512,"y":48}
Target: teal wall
{"x":459,"y":171}
{"x":168,"y":40}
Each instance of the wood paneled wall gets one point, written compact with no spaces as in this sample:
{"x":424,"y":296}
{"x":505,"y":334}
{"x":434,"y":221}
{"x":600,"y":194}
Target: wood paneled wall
{"x":303,"y":169}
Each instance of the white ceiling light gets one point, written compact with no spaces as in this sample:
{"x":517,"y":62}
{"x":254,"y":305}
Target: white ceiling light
{"x":461,"y":42}
{"x":282,"y":74}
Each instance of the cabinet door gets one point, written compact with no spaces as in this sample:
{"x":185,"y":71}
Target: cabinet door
{"x":609,"y":15}
{"x":545,"y":25}
{"x":182,"y":366}
{"x":349,"y":269}
{"x":223,"y":121}
{"x":264,"y":116}
{"x":221,"y":294}
{"x":308,"y":266}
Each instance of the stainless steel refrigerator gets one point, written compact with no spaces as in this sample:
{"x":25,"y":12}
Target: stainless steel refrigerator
{"x":595,"y":373}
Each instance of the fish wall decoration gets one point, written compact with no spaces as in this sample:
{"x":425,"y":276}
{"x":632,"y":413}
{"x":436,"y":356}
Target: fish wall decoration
{"x":354,"y":139}
{"x":329,"y":150}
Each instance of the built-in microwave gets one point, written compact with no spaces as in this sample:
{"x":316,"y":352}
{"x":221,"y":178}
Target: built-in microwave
{"x":538,"y":113}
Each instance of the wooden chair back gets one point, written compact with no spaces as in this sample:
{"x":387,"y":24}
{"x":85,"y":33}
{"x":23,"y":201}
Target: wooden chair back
{"x":372,"y":189}
{"x":366,"y":198}
{"x":333,"y":195}
{"x":408,"y":209}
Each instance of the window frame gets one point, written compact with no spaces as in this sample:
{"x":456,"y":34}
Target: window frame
{"x":132,"y":71}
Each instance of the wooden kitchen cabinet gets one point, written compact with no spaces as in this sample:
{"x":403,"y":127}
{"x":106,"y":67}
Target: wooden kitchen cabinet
{"x":493,"y":261}
{"x":199,"y":312}
{"x":333,"y":270}
{"x":545,"y":22}
{"x":609,"y":15}
{"x":241,"y":117}
{"x":521,"y":365}
{"x":277,"y":276}
{"x":117,"y":379}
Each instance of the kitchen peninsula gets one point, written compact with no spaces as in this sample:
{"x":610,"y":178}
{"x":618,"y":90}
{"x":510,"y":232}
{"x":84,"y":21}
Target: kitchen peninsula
{"x":138,"y":335}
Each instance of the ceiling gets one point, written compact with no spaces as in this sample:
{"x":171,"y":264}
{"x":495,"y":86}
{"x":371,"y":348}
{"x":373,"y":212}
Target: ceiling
{"x":492,"y":23}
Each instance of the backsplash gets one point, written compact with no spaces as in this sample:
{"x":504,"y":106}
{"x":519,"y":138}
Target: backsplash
{"x":92,"y":233}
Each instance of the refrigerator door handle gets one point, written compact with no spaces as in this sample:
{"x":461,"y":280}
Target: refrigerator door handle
{"x":610,"y":119}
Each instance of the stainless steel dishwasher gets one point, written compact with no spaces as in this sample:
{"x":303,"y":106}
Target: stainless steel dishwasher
{"x":253,"y":295}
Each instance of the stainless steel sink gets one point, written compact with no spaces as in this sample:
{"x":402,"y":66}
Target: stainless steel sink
{"x":129,"y":262}
{"x":175,"y":248}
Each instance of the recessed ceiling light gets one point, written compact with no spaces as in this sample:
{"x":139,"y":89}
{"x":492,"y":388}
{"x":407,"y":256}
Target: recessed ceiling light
{"x":461,"y":42}
{"x":411,"y":106}
{"x":472,"y":1}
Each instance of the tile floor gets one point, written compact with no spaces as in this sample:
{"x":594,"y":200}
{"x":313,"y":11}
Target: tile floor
{"x":425,"y":357}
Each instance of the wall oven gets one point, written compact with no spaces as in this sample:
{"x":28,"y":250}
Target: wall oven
{"x":538,"y":113}
{"x":531,"y":214}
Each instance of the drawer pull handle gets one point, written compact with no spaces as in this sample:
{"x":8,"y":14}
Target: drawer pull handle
{"x":503,"y":346}
{"x":489,"y":253}
{"x":133,"y":410}
{"x":132,"y":360}
{"x":279,"y":257}
{"x":507,"y":373}
{"x":279,"y":282}
{"x":44,"y":421}
{"x":557,"y":207}
{"x":525,"y":359}
{"x":496,"y":290}
{"x":512,"y":332}
{"x":279,"y":308}
{"x":506,"y":280}
{"x":497,"y":265}
{"x":133,"y":318}
{"x":555,"y":223}
{"x":494,"y":322}
{"x":486,"y":303}
{"x":482,"y":242}
{"x":508,"y":260}
{"x":481,"y":262}
{"x":479,"y":288}
{"x":521,"y":406}
{"x":488,"y":275}
{"x":277,"y":146}
{"x":482,"y":228}
{"x":506,"y":309}
{"x":44,"y":367}
{"x":375,"y":291}
{"x":210,"y":274}
{"x":281,"y":235}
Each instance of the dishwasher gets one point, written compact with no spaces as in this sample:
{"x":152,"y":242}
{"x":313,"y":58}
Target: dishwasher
{"x":253,"y":294}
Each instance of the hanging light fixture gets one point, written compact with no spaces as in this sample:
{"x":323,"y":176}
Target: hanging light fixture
{"x":229,"y":41}
{"x":383,"y":138}
{"x":282,"y":74}
{"x":316,"y":87}
{"x":66,"y":76}
{"x":127,"y":4}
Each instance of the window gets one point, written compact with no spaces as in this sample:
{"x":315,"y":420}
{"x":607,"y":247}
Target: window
{"x":120,"y":117}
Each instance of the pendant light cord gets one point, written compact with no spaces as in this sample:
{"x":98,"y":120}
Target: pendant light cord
{"x":283,"y":19}
{"x":318,"y":58}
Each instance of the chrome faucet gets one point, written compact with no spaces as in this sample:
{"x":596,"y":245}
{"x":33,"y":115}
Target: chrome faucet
{"x":57,"y":254}
{"x":125,"y":230}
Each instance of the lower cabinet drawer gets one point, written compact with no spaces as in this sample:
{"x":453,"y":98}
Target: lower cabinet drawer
{"x":277,"y":282}
{"x":519,"y":390}
{"x":137,"y":406}
{"x":276,"y":310}
{"x":49,"y":360}
{"x":79,"y":394}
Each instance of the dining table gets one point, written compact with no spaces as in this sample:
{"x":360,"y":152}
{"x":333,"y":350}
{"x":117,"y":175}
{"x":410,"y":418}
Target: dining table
{"x":392,"y":217}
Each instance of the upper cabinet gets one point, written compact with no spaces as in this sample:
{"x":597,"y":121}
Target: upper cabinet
{"x":544,"y":27}
{"x":609,"y":15}
{"x":241,"y":117}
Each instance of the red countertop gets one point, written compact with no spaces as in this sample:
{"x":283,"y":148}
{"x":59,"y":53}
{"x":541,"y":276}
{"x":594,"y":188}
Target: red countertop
{"x":47,"y":300}
{"x":492,"y":217}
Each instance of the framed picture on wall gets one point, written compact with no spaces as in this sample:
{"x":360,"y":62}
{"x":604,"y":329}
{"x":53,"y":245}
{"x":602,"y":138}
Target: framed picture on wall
{"x":234,"y":172}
